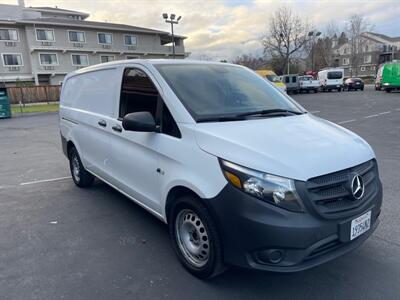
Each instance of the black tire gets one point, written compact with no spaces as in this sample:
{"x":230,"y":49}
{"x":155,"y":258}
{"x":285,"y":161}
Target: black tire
{"x":308,"y":91}
{"x":316,"y":91}
{"x":80,"y":176}
{"x":388,"y":90}
{"x":191,"y":206}
{"x":362,"y":89}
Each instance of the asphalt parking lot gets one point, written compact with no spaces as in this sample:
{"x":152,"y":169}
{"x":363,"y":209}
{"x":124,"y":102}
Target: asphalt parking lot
{"x":61,"y":242}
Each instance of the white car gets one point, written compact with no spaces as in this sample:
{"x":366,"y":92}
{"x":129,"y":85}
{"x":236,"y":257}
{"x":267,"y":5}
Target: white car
{"x":240,"y":172}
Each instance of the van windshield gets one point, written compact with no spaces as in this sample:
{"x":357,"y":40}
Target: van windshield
{"x":221,"y":91}
{"x":335,"y":75}
{"x":273,"y":78}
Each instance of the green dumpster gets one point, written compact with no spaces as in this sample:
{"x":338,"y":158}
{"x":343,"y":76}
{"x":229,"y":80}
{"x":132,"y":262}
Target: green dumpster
{"x":5,"y":111}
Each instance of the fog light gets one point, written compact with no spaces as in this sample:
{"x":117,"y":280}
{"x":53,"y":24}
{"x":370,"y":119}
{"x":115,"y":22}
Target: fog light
{"x":273,"y":256}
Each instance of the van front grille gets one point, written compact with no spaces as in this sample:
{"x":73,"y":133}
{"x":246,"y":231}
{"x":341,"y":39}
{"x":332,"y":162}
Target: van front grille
{"x":331,"y":194}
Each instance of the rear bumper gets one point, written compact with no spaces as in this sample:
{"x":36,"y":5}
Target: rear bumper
{"x":304,"y":88}
{"x":332,"y":86}
{"x":356,"y":86}
{"x":261,"y":236}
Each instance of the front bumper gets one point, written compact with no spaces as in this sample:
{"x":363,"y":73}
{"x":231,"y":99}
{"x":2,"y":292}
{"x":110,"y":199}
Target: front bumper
{"x":261,"y":236}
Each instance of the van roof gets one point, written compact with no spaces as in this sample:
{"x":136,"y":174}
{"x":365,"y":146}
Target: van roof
{"x":145,"y":62}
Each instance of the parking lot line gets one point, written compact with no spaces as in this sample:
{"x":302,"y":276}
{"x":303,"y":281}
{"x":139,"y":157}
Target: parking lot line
{"x":385,"y":112}
{"x":371,"y":116}
{"x":314,"y":112}
{"x":348,"y":121}
{"x":45,"y":180}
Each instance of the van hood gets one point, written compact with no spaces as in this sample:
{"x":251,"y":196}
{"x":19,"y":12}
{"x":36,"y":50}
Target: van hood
{"x":297,"y":147}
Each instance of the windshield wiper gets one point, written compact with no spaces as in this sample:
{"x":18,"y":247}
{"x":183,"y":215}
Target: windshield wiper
{"x":269,"y":112}
{"x":221,"y":119}
{"x":242,"y":116}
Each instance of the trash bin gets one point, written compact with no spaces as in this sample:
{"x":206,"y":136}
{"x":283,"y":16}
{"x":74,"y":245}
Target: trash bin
{"x":5,"y":109}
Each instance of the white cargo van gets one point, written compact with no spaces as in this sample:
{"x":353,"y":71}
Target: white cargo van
{"x":241,"y":173}
{"x":331,"y":79}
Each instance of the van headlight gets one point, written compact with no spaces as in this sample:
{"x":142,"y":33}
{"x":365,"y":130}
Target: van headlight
{"x":273,"y":189}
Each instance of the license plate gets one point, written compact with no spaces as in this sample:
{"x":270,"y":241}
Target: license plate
{"x":357,"y":83}
{"x":360,"y":225}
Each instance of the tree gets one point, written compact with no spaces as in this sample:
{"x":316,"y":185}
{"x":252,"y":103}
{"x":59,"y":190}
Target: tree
{"x":254,"y":63}
{"x":356,"y":25}
{"x":286,"y":37}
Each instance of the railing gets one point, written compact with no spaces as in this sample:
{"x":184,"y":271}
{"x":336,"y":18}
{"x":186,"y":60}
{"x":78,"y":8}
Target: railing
{"x":34,"y":94}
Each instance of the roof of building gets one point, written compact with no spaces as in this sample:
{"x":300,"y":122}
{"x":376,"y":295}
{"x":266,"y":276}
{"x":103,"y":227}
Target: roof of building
{"x":57,"y":10}
{"x":93,"y":24}
{"x":385,"y":37}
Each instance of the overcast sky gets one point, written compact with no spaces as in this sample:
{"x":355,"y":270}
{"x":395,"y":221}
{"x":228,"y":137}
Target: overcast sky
{"x":228,"y":28}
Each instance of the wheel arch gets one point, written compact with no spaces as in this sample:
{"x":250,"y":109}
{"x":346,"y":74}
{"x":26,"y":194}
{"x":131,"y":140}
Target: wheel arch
{"x":175,"y":193}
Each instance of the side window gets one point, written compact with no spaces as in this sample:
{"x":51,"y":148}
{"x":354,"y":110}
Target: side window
{"x":168,"y":124}
{"x":294,"y":79}
{"x":287,"y":79}
{"x":138,"y":93}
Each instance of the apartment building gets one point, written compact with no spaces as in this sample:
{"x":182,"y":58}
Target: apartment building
{"x":374,"y":49}
{"x":42,"y":44}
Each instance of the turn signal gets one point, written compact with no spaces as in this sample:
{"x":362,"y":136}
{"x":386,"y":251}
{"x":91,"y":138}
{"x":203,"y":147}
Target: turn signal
{"x":233,"y":179}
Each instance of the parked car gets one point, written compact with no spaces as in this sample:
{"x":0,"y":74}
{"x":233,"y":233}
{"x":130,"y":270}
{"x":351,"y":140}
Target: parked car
{"x":241,"y":173}
{"x":292,"y":83}
{"x":308,"y":83}
{"x":391,"y":76}
{"x":353,"y":83}
{"x":272,"y":77}
{"x":378,"y":78}
{"x":331,"y":79}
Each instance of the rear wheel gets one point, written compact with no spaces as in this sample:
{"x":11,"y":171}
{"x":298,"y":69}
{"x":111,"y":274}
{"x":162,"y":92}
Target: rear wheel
{"x":388,"y":90}
{"x":80,"y":176}
{"x":195,"y":238}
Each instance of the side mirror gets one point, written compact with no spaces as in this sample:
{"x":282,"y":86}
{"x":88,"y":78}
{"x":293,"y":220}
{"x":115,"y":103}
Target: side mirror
{"x":141,"y":121}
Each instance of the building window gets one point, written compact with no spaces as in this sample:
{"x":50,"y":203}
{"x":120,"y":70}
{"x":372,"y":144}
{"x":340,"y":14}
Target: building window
{"x":8,"y":35}
{"x":366,"y":48}
{"x":80,"y":60}
{"x":346,"y":61}
{"x":130,"y":40}
{"x":12,"y":59}
{"x":367,"y":59}
{"x":105,"y":38}
{"x":76,"y":36}
{"x":45,"y":35}
{"x":132,"y":57}
{"x":362,"y":69}
{"x":344,"y":50}
{"x":48,"y":59}
{"x":106,"y":58}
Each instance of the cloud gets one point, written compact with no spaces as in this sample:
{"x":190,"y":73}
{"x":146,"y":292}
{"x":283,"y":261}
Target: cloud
{"x":227,"y":28}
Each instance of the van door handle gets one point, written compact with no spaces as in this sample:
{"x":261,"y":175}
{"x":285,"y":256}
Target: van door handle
{"x":102,"y":123}
{"x":117,"y":128}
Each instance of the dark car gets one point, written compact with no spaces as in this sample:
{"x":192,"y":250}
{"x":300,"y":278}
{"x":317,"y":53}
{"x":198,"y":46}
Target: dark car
{"x":354,"y":83}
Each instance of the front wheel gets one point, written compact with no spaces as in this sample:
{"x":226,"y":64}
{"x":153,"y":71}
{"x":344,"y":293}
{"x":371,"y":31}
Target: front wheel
{"x":80,"y":176}
{"x":195,"y":238}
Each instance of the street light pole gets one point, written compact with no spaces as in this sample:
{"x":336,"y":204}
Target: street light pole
{"x":287,"y":49}
{"x":171,"y":19}
{"x":313,"y":36}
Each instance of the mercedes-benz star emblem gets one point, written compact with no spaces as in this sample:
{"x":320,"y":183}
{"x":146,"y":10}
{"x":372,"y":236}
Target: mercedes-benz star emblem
{"x":357,"y":187}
